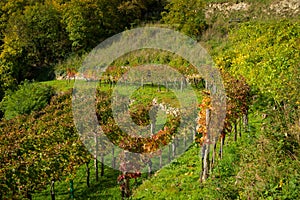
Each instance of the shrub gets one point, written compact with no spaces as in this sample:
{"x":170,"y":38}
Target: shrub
{"x":29,"y":97}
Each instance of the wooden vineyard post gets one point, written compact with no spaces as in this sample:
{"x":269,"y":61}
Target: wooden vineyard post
{"x":205,"y":122}
{"x":240,"y":128}
{"x":95,"y":158}
{"x":184,"y":140}
{"x":160,"y":159}
{"x":71,"y":189}
{"x":102,"y":164}
{"x":169,"y":153}
{"x":206,"y":149}
{"x":52,"y":190}
{"x":153,"y":114}
{"x":181,"y":85}
{"x":193,"y":130}
{"x":166,"y":85}
{"x":149,"y":167}
{"x":205,"y":162}
{"x":174,"y":148}
{"x":87,"y":174}
{"x":124,"y":185}
{"x":113,"y":161}
{"x":235,"y":131}
{"x":96,"y":169}
{"x":213,"y":158}
{"x":28,"y":195}
{"x":246,"y":121}
{"x":124,"y":179}
{"x":142,"y":83}
{"x":221,"y":145}
{"x":127,"y":186}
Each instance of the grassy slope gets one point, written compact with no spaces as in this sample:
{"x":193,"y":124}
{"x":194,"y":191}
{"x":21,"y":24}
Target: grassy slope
{"x":252,"y":168}
{"x":180,"y":180}
{"x":60,"y":85}
{"x":106,"y":188}
{"x":244,"y":171}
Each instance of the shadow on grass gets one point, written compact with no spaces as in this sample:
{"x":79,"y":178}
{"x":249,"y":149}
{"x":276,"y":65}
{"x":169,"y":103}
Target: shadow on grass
{"x":106,"y":188}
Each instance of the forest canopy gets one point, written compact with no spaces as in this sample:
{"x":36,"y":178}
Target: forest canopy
{"x":36,"y":35}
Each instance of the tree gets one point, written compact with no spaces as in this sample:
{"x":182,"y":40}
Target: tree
{"x":186,"y":16}
{"x":84,"y":23}
{"x":8,"y":9}
{"x":133,"y":12}
{"x":90,"y":22}
{"x":33,"y":41}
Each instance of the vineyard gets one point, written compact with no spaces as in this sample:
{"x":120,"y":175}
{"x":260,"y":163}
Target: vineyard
{"x":153,"y":135}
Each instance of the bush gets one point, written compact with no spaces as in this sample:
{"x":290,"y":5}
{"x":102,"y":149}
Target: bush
{"x":29,"y":97}
{"x":186,"y":16}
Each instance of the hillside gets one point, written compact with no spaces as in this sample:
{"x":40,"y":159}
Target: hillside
{"x":45,"y":155}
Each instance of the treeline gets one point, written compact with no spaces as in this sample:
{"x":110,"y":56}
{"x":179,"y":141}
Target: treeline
{"x":35,"y":35}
